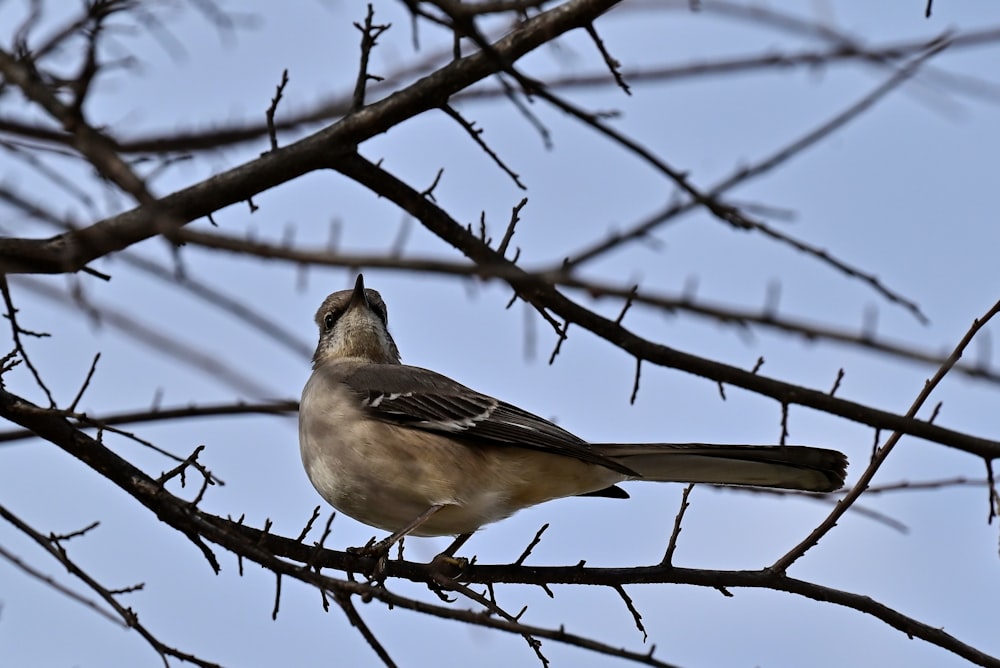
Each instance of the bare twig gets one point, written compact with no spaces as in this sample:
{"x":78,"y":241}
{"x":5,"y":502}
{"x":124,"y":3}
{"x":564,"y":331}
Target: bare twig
{"x":509,"y":232}
{"x":288,"y":407}
{"x":476,"y":134}
{"x":272,"y":132}
{"x":534,"y":541}
{"x":440,"y":223}
{"x":668,"y":556}
{"x":86,"y":383}
{"x":128,"y":617}
{"x":354,"y":617}
{"x":16,"y":331}
{"x":613,"y":65}
{"x":882,"y":452}
{"x":635,"y":382}
{"x":636,"y":617}
{"x":370,"y":33}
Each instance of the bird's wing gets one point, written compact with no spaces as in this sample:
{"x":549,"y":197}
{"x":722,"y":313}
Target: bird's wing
{"x":423,"y":399}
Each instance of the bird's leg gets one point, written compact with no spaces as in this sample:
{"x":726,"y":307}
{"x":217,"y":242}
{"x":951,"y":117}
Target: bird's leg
{"x":455,"y":544}
{"x":380,"y":550}
{"x":447,"y":562}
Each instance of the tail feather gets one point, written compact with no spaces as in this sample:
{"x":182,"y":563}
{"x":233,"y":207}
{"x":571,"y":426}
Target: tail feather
{"x":783,"y":466}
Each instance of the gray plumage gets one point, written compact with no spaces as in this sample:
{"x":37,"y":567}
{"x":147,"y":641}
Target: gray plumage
{"x":387,"y":443}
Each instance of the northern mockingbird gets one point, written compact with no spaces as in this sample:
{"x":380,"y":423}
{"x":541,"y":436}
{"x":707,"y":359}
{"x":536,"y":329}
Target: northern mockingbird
{"x":412,"y":451}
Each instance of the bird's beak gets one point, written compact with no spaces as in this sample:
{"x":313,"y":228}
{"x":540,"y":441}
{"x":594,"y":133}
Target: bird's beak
{"x":359,"y":298}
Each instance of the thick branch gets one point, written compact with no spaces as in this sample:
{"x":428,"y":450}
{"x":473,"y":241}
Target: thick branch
{"x":544,"y":296}
{"x":71,"y":251}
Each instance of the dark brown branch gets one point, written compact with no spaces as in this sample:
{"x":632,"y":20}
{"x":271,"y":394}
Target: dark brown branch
{"x":563,"y":335}
{"x":636,"y":617}
{"x":544,"y":295}
{"x":635,"y":382}
{"x":370,"y":33}
{"x":86,"y":384}
{"x":613,"y":65}
{"x":881,"y":453}
{"x":534,"y":541}
{"x":477,"y":136}
{"x":354,"y":617}
{"x":55,"y":584}
{"x":72,"y":251}
{"x":272,"y":132}
{"x":92,"y":144}
{"x":720,"y":210}
{"x":491,"y":606}
{"x":287,"y":408}
{"x":152,"y":337}
{"x":594,"y":288}
{"x":213,"y":296}
{"x":794,"y":148}
{"x":668,"y":556}
{"x":509,"y":232}
{"x":16,"y":331}
{"x":127,"y":616}
{"x":223,"y":133}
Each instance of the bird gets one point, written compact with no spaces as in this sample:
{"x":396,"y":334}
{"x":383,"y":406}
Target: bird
{"x":413,"y":452}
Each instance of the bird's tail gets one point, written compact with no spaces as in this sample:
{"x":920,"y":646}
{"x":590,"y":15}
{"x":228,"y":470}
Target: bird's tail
{"x":783,"y":466}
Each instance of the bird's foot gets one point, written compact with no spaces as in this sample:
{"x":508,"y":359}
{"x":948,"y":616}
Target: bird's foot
{"x":372,"y":549}
{"x":448,"y":566}
{"x":379,"y":551}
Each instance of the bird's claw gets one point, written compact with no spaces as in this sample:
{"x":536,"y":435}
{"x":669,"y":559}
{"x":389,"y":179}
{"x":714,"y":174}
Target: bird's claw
{"x":379,"y":551}
{"x":448,"y":566}
{"x":371,"y":549}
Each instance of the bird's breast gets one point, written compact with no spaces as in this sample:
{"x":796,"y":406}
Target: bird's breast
{"x":385,"y":475}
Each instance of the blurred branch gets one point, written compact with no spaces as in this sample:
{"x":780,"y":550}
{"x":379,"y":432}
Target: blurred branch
{"x":273,"y":552}
{"x":94,"y":145}
{"x":730,"y":315}
{"x":258,"y":546}
{"x":225,"y":133}
{"x":882,"y":452}
{"x":189,"y":354}
{"x":286,"y":408}
{"x":545,"y":297}
{"x":72,"y":251}
{"x":439,"y":81}
{"x":780,"y":156}
{"x":55,"y":584}
{"x":16,"y":331}
{"x":202,"y":290}
{"x":128,"y":617}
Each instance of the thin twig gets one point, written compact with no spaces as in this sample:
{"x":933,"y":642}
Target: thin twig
{"x":882,"y":452}
{"x":16,"y":331}
{"x":370,"y":33}
{"x":272,"y":133}
{"x":62,"y":589}
{"x":635,"y":382}
{"x":534,"y":541}
{"x":613,"y":65}
{"x":668,"y":556}
{"x":636,"y":617}
{"x":476,"y":134}
{"x":354,"y":617}
{"x":86,"y":384}
{"x":509,"y":232}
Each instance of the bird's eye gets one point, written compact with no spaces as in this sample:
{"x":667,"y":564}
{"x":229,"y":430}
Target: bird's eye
{"x":330,"y":319}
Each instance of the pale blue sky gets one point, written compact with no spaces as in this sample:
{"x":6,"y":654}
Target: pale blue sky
{"x":905,"y":192}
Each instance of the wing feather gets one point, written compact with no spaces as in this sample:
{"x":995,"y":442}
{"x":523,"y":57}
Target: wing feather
{"x":423,"y":399}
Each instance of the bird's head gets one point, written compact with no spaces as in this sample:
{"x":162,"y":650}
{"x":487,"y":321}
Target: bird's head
{"x":353,"y":324}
